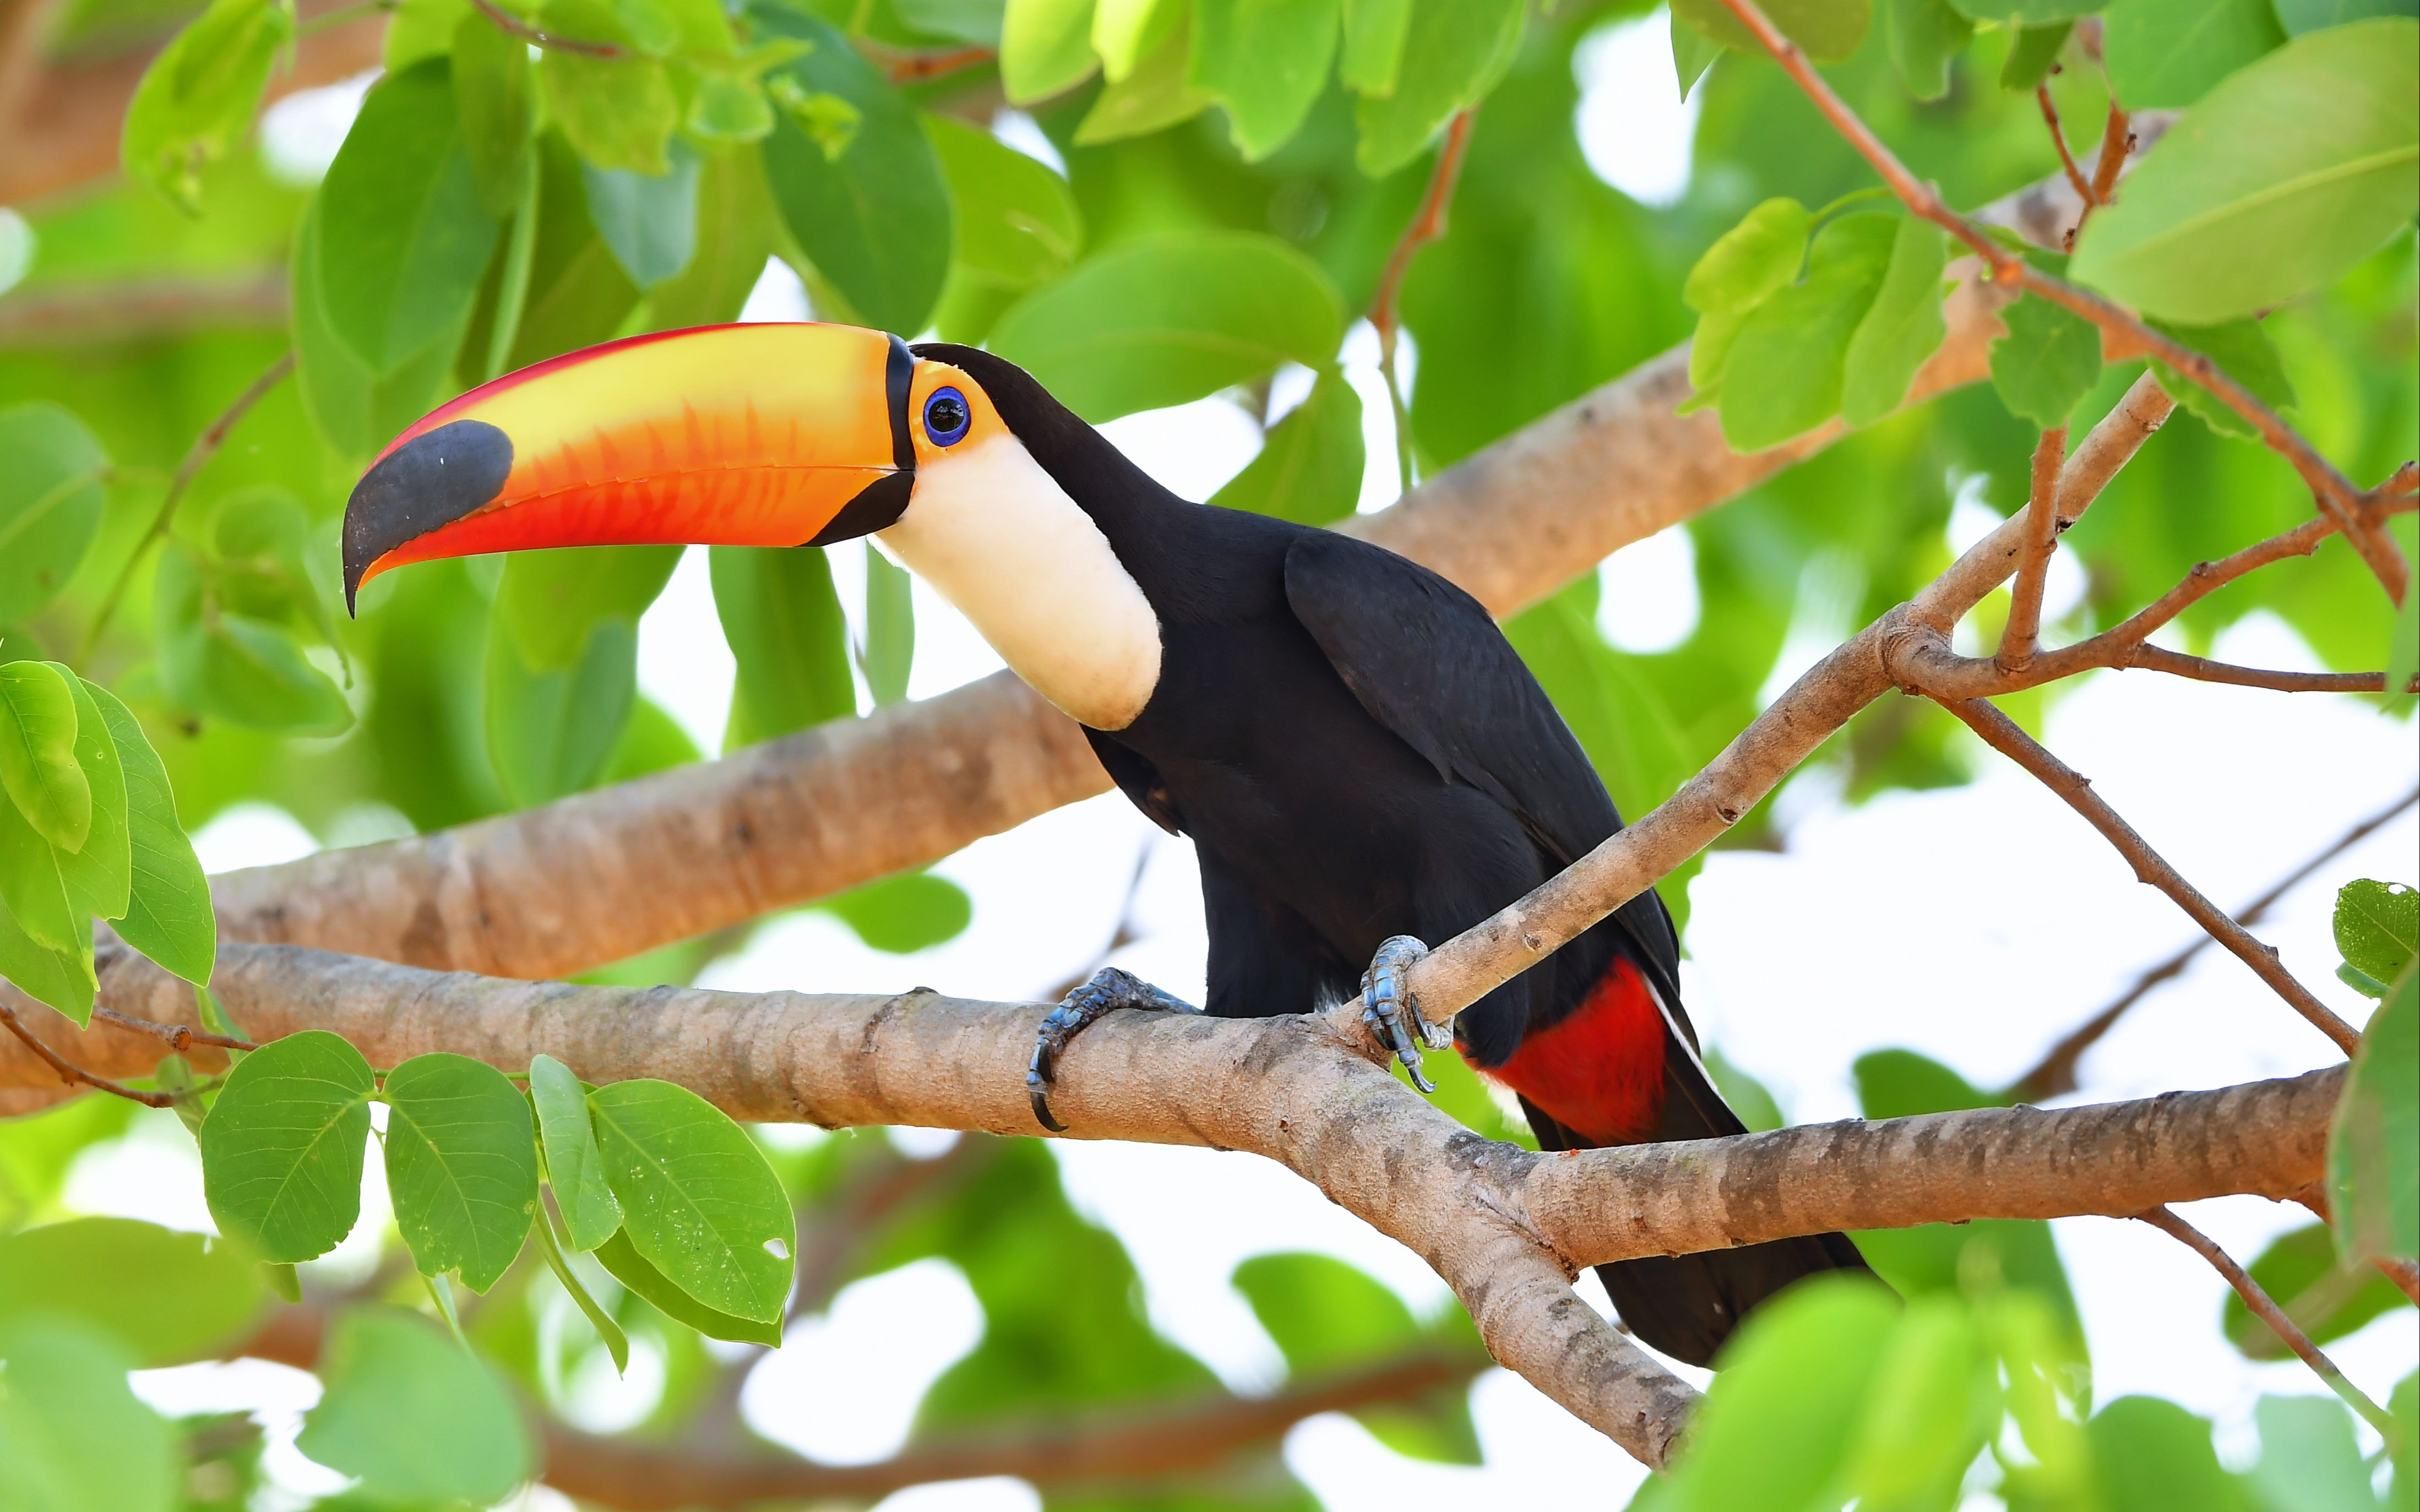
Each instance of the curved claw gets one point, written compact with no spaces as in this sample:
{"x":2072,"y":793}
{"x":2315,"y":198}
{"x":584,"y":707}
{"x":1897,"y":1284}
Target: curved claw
{"x":1387,"y":1001}
{"x":1108,"y":991}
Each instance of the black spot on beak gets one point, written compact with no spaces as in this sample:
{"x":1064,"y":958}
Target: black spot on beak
{"x":426,"y":483}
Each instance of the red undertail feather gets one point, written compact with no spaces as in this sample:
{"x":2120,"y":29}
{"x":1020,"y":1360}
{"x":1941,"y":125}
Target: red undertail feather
{"x":1599,"y":1071}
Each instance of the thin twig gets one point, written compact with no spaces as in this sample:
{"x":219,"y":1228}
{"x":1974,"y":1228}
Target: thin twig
{"x":2065,"y":159}
{"x":1428,"y":223}
{"x":2202,"y":669}
{"x":205,"y":446}
{"x":2055,"y":1074}
{"x":2335,"y":495}
{"x":180,"y":1036}
{"x":73,"y":1074}
{"x":911,"y":66}
{"x":2018,"y":637}
{"x":2002,"y":733}
{"x":2404,"y":1273}
{"x":2116,"y":146}
{"x":513,"y":26}
{"x":2267,"y":1310}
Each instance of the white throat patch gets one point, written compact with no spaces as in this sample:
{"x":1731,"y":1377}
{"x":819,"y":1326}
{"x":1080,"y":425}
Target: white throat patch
{"x":1001,"y":540}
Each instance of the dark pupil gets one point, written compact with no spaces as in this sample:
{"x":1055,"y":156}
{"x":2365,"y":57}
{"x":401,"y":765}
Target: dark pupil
{"x":946,"y":414}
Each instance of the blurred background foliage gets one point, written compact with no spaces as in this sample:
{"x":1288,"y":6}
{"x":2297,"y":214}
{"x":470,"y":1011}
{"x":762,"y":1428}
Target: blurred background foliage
{"x":1224,"y":169}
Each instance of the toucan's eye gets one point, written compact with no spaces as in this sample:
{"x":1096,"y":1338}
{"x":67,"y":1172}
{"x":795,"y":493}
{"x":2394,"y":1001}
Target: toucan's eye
{"x":945,"y":417}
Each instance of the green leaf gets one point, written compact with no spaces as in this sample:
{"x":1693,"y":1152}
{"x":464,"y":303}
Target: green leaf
{"x":574,"y":1166}
{"x":461,"y":1166}
{"x":1751,"y":261}
{"x":496,"y":98}
{"x":550,"y":731}
{"x":978,"y":21}
{"x":2377,"y":927}
{"x":903,"y":913}
{"x":73,"y":1436}
{"x":2284,"y":175}
{"x":1046,"y":46}
{"x":168,"y":915}
{"x":1748,"y":1098}
{"x":1374,"y":34}
{"x":36,"y":891}
{"x":2033,"y":55}
{"x":282,"y":1148}
{"x":50,"y":502}
{"x":1901,"y":1084}
{"x":1126,"y":31}
{"x":873,"y":217}
{"x":2242,"y":350}
{"x":1266,"y":61}
{"x":197,"y":100}
{"x":232,"y":666}
{"x":699,"y":1202}
{"x":1017,"y":220}
{"x":783,"y":622}
{"x":619,"y":113}
{"x":1784,"y":373}
{"x":165,"y":1296}
{"x":2048,"y":360}
{"x":648,"y":221}
{"x":2300,"y":16}
{"x":1171,"y":319}
{"x":1454,"y":53}
{"x":1775,"y":1428}
{"x":62,"y":977}
{"x":1310,"y":465}
{"x":627,"y":1265}
{"x":888,"y":656}
{"x":2150,"y":1453}
{"x":1924,"y":36}
{"x":2374,"y":1148}
{"x":1933,"y":1402}
{"x":418,"y":1418}
{"x":2026,"y":13}
{"x":2328,"y":1298}
{"x":100,"y":875}
{"x":1828,"y":30}
{"x":403,"y":237}
{"x":355,"y":409}
{"x":736,"y":232}
{"x":38,"y":752}
{"x":618,"y":1343}
{"x":1325,"y":1315}
{"x":2308,"y":1459}
{"x":1152,"y":97}
{"x":1902,"y":329}
{"x":2164,"y":53}
{"x":1693,"y":54}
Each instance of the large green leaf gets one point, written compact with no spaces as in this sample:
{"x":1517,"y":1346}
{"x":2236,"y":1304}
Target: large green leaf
{"x":1172,"y":319}
{"x":2377,"y":927}
{"x":698,"y":1200}
{"x":2300,"y":16}
{"x":562,"y":661}
{"x":221,"y":663}
{"x":2309,"y":1461}
{"x":282,"y":1148}
{"x":165,"y":1296}
{"x":1829,"y":30}
{"x":619,"y":111}
{"x":1932,"y":1404}
{"x":1044,"y":46}
{"x":74,"y":1437}
{"x":1924,"y":36}
{"x":911,"y":912}
{"x":627,"y":1265}
{"x":403,"y":236}
{"x":420,"y":1419}
{"x":168,"y":915}
{"x":1454,"y":53}
{"x":496,"y":97}
{"x":574,"y":1166}
{"x":461,"y":1166}
{"x":2289,"y":173}
{"x":2046,"y":362}
{"x":648,"y":221}
{"x":38,"y":752}
{"x":1126,"y":31}
{"x":32,"y":884}
{"x":1374,"y":34}
{"x":783,"y":622}
{"x":855,"y":178}
{"x":1018,"y":222}
{"x":2026,"y":13}
{"x":1901,"y":328}
{"x":2164,"y":53}
{"x":1328,"y":1318}
{"x":2374,"y":1148}
{"x":99,"y":874}
{"x":356,"y":409}
{"x":51,"y":501}
{"x":197,"y":100}
{"x":1311,"y":462}
{"x":736,"y":232}
{"x":2149,"y":1453}
{"x":61,"y":977}
{"x":888,"y":657}
{"x":1784,"y":373}
{"x":1155,"y":95}
{"x":1266,"y":61}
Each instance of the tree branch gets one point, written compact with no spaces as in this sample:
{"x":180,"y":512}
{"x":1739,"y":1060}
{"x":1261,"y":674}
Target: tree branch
{"x":2267,"y":1310}
{"x":2055,"y":1074}
{"x":69,"y":1071}
{"x":2017,"y":638}
{"x":2058,"y":139}
{"x":2001,"y":733}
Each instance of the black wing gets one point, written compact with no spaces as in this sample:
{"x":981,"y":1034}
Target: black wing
{"x":1427,"y":662}
{"x":1137,"y":779}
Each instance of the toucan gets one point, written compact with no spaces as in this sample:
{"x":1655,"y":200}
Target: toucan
{"x":1360,"y":757}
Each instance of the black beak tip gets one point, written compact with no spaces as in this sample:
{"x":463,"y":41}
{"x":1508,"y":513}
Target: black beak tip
{"x":428,"y":482}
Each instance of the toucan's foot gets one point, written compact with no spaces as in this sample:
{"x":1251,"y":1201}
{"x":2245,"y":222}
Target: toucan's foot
{"x":1392,"y":1013}
{"x":1108,"y":991}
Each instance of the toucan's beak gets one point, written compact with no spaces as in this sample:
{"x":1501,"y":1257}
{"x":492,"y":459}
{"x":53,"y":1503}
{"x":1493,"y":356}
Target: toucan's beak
{"x":727,"y":435}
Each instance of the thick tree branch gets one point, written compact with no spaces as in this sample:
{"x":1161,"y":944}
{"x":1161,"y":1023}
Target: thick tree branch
{"x":2054,"y":1076}
{"x":635,"y":1476}
{"x":1506,"y":1228}
{"x":2001,"y":733}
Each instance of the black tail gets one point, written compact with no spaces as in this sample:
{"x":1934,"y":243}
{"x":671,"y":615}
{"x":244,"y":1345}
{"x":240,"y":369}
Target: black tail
{"x":1686,"y":1305}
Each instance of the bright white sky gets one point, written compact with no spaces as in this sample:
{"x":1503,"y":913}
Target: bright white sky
{"x":1976,"y":924}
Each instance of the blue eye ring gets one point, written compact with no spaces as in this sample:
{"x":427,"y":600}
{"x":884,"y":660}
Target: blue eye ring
{"x":947,"y":417}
